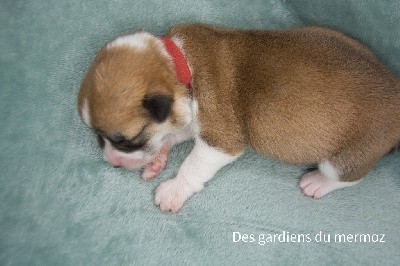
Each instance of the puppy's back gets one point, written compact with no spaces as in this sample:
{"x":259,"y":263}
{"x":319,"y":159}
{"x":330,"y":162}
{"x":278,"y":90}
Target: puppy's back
{"x":297,"y":95}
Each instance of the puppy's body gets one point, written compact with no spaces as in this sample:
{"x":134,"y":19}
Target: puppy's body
{"x":307,"y":95}
{"x":301,"y":96}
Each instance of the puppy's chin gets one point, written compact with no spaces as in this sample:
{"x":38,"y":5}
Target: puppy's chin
{"x":129,"y":161}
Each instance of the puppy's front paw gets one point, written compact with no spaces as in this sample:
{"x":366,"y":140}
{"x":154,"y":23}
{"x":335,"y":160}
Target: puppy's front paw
{"x":171,"y":194}
{"x":154,"y":168}
{"x":151,"y":170}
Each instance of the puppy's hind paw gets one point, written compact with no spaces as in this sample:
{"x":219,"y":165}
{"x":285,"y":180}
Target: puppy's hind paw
{"x":311,"y":184}
{"x":315,"y":184}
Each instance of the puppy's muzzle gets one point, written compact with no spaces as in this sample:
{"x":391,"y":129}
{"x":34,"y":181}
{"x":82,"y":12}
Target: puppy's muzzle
{"x":124,"y":161}
{"x":129,"y":161}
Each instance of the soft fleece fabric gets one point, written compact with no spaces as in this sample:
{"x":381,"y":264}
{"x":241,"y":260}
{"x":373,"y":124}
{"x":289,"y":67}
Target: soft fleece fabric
{"x":60,"y":204}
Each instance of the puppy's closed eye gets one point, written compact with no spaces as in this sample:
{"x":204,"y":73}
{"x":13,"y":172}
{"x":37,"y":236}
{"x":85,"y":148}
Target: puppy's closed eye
{"x":127,"y":146}
{"x":123,"y":144}
{"x":120,"y":143}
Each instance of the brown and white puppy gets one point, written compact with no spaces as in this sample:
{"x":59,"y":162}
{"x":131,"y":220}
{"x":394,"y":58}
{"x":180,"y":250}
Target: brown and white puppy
{"x":308,"y":95}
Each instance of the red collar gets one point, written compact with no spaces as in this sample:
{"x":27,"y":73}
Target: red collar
{"x":181,"y":66}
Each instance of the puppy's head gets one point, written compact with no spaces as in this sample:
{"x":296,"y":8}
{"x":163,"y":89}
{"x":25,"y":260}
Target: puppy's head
{"x":132,"y":99}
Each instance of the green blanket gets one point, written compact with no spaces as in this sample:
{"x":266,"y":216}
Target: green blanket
{"x":60,"y":203}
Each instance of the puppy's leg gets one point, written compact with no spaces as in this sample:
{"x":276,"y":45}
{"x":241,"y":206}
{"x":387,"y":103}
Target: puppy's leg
{"x":342,"y":170}
{"x":200,"y":166}
{"x":151,"y":170}
{"x":155,"y":167}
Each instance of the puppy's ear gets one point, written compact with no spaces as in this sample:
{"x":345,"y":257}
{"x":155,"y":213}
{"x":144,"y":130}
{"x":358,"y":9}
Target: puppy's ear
{"x":159,"y":106}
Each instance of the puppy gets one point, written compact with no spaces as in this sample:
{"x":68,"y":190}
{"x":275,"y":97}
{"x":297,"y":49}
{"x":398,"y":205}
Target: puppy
{"x":307,"y":95}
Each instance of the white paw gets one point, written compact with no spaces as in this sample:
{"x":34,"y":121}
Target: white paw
{"x":316,"y":185}
{"x":151,"y":170}
{"x":172,"y":194}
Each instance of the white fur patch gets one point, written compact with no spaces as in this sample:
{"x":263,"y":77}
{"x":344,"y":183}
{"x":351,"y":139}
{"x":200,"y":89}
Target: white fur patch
{"x":178,"y":42}
{"x":195,"y":125}
{"x":85,"y":112}
{"x":199,"y":167}
{"x":329,"y":170}
{"x":202,"y":164}
{"x":185,"y":108}
{"x":316,"y":184}
{"x":320,"y":182}
{"x":139,"y":40}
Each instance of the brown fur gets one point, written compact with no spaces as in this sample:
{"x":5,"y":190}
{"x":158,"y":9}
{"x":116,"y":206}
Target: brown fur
{"x":301,"y":96}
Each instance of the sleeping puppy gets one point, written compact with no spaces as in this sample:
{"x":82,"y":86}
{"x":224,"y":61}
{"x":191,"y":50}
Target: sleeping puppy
{"x":307,"y":95}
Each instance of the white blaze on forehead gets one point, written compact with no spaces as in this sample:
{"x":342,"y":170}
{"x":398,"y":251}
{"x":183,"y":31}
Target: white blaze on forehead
{"x":86,"y":113}
{"x":139,"y":40}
